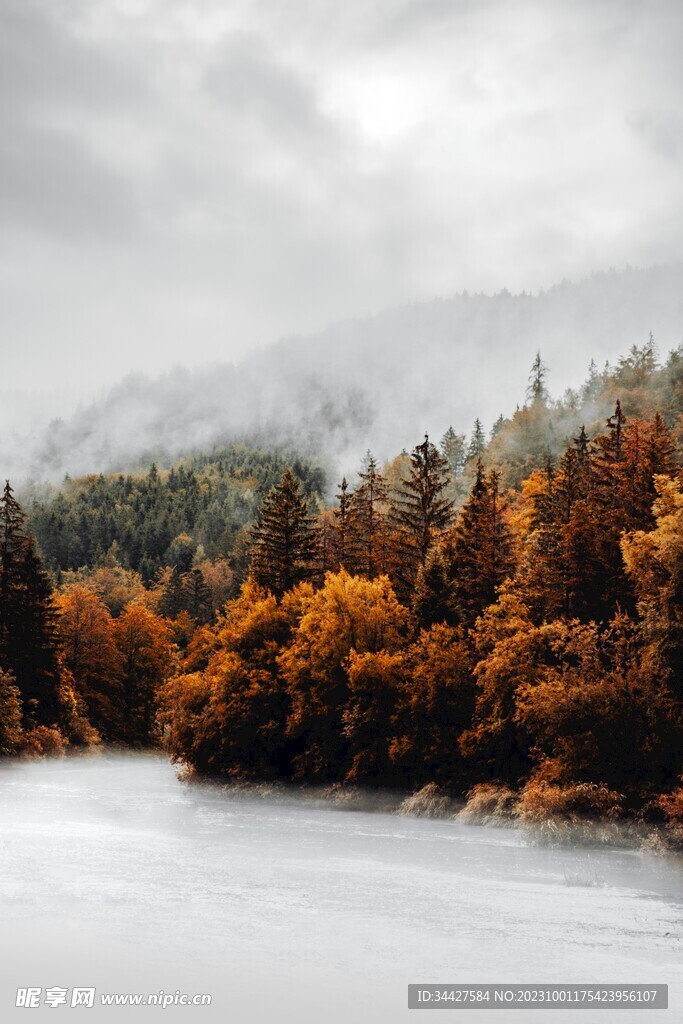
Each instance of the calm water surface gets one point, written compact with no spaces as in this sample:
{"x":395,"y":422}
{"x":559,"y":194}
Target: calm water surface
{"x":115,"y":874}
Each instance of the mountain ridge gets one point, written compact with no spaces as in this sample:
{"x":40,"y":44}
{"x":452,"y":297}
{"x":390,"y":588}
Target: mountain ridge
{"x":374,"y":381}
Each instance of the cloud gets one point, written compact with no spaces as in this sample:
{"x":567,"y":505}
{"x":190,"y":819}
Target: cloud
{"x":185,"y":181}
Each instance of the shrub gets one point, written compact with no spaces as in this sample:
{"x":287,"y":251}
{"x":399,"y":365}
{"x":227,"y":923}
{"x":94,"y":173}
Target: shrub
{"x":672,"y":806}
{"x":541,"y":802}
{"x":490,"y":803}
{"x":43,"y":741}
{"x":428,"y":802}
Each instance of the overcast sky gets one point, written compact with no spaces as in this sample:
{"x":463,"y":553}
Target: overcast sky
{"x":181,"y":180}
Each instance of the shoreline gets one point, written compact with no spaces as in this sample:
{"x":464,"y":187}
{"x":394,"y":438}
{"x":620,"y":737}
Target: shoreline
{"x":626,"y":833}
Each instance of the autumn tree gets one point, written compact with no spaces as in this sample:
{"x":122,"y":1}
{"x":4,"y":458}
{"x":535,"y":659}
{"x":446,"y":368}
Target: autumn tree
{"x":654,"y":563}
{"x":11,"y":731}
{"x":511,"y":654}
{"x":230,"y":717}
{"x":368,"y":718}
{"x":86,"y":634}
{"x":219,"y":580}
{"x":347,"y":614}
{"x":595,"y":715}
{"x":434,"y":707}
{"x":143,"y":640}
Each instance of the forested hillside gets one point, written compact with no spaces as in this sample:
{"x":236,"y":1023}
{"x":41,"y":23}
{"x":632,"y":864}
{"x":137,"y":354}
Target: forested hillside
{"x":196,"y":509}
{"x":375,"y":382}
{"x":499,"y":616}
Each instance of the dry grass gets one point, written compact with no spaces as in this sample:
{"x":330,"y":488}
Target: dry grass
{"x":490,"y":804}
{"x":428,"y":802}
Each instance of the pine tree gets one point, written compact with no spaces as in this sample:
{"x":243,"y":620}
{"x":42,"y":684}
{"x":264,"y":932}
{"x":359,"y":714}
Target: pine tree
{"x":453,"y":450}
{"x":197,"y":596}
{"x":367,"y":532}
{"x":497,"y":426}
{"x":341,"y":515}
{"x":173,"y":598}
{"x":582,"y":445}
{"x":421,"y":512}
{"x":283,"y":542}
{"x":28,"y":642}
{"x":615,"y":425}
{"x":431,"y":597}
{"x":537,"y":393}
{"x":592,"y":386}
{"x":477,"y":445}
{"x":478,"y":550}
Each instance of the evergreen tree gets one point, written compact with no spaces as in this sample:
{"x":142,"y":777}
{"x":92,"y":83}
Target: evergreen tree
{"x":431,"y":598}
{"x":478,"y":551}
{"x":28,"y":643}
{"x":497,"y":426}
{"x":367,"y":533}
{"x":197,"y":596}
{"x":453,"y":450}
{"x":172,"y":599}
{"x":421,"y":512}
{"x":477,"y":445}
{"x":582,"y":445}
{"x":537,"y":393}
{"x":341,"y":515}
{"x":283,"y":542}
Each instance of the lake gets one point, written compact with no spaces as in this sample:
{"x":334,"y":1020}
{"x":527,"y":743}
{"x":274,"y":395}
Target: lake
{"x":115,"y":874}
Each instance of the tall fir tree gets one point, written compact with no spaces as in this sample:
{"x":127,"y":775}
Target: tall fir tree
{"x":477,"y":443}
{"x":421,"y":511}
{"x":28,"y":640}
{"x":283,"y":541}
{"x":537,"y":392}
{"x":478,"y":549}
{"x":341,"y":518}
{"x":366,"y":520}
{"x":453,"y":449}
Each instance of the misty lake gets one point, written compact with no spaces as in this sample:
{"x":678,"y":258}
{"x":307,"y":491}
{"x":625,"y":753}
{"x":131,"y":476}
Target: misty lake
{"x":115,"y":874}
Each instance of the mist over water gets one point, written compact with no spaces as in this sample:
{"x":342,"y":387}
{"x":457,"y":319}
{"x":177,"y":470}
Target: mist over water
{"x":115,"y":874}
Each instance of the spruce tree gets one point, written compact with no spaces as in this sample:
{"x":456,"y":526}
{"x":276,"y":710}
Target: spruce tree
{"x":283,"y":541}
{"x":453,"y":450}
{"x":197,"y":596}
{"x":341,"y":516}
{"x":478,"y":550}
{"x":367,"y":533}
{"x":28,"y":642}
{"x":421,"y":512}
{"x":582,"y":445}
{"x":477,"y":445}
{"x":537,"y":393}
{"x":497,"y":426}
{"x":431,"y":597}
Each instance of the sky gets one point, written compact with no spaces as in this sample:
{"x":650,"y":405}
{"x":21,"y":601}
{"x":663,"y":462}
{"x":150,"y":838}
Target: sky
{"x":184,"y":180}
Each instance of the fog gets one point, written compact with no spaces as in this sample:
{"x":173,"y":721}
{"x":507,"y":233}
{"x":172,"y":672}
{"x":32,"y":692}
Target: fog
{"x":380,"y":382}
{"x":185,"y":181}
{"x":114,"y":874}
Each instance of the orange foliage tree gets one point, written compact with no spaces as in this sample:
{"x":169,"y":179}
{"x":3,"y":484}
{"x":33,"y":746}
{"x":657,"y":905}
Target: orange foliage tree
{"x":144,"y":643}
